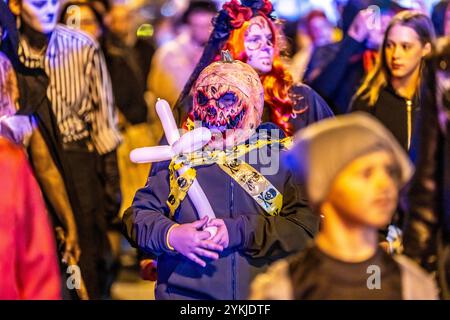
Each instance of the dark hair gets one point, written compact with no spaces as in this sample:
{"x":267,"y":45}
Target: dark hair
{"x":438,"y":16}
{"x":380,"y":76}
{"x":196,"y":6}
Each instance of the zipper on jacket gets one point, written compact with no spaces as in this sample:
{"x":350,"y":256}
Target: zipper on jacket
{"x":409,"y":120}
{"x":233,"y":258}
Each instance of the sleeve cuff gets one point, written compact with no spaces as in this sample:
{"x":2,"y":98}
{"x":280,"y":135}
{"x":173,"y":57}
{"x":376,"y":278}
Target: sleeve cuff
{"x":167,"y":237}
{"x":235,"y":227}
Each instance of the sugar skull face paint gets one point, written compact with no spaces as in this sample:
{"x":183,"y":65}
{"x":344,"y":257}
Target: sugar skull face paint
{"x":40,"y":15}
{"x":258,"y":43}
{"x":228,"y":99}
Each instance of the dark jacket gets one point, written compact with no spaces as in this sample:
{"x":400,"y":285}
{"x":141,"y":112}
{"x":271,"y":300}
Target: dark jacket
{"x":341,"y":77}
{"x":129,"y":68}
{"x":256,"y":239}
{"x":320,"y":58}
{"x":311,"y":107}
{"x":315,"y":107}
{"x":429,"y":194}
{"x":391,"y":110}
{"x":427,"y":227}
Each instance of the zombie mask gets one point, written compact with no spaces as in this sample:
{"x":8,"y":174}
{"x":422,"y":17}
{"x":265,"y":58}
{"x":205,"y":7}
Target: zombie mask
{"x":40,"y":15}
{"x":229,"y":100}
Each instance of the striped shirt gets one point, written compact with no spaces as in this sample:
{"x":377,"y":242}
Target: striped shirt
{"x":79,"y":87}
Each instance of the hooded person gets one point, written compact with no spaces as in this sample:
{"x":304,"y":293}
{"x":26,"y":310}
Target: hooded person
{"x":355,"y":187}
{"x":250,"y":32}
{"x":260,"y":213}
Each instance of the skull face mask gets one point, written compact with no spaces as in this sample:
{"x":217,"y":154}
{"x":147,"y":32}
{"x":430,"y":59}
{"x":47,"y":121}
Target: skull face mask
{"x":229,"y":100}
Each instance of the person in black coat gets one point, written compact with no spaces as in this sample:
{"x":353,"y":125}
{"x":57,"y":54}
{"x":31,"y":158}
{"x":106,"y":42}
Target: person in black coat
{"x":390,"y":91}
{"x":427,"y":226}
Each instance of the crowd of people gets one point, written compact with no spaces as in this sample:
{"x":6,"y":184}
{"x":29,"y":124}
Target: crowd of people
{"x":328,"y":163}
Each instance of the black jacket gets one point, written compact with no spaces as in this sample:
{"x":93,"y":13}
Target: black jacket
{"x":428,"y":221}
{"x":255,"y":238}
{"x":341,"y":77}
{"x":391,"y":110}
{"x":304,"y":98}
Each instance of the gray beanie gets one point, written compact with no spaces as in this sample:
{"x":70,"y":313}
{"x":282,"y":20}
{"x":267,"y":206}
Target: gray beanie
{"x":325,"y":148}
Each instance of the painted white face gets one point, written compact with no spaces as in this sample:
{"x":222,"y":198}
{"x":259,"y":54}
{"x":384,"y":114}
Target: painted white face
{"x":258,"y":43}
{"x":40,"y":15}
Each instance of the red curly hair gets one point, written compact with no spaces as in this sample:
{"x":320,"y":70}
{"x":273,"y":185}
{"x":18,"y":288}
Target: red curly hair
{"x":276,"y":83}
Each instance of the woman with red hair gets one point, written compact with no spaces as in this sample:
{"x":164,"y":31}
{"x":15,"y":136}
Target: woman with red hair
{"x":249,"y":32}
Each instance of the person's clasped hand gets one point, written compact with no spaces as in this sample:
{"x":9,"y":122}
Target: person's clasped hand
{"x":191,"y":241}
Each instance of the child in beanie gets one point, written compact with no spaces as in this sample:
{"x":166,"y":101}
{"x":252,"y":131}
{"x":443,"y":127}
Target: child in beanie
{"x":353,"y":169}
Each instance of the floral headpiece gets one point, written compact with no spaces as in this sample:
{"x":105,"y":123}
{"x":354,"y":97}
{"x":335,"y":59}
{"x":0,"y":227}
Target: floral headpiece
{"x":234,"y":14}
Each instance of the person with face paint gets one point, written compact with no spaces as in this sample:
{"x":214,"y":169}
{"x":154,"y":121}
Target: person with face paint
{"x":390,"y":91}
{"x":362,"y":169}
{"x":260,"y":215}
{"x":63,"y":81}
{"x":248,"y":31}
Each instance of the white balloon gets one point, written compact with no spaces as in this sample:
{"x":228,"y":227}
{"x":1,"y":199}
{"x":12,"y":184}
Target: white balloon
{"x":151,"y":154}
{"x":192,"y":141}
{"x":168,"y":122}
{"x":189,"y":142}
{"x":202,"y":205}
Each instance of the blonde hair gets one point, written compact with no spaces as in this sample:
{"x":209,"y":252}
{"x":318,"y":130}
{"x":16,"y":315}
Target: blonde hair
{"x":380,"y":76}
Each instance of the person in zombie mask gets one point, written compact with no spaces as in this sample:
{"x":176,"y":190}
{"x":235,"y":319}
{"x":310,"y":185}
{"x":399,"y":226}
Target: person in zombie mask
{"x":227,"y":100}
{"x":249,"y":32}
{"x":63,"y":82}
{"x":254,"y":228}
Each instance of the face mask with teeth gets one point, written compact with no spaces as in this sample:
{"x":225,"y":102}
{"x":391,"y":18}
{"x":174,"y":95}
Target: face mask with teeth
{"x":229,"y":100}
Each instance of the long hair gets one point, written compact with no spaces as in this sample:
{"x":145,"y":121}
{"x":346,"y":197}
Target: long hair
{"x":276,"y":83}
{"x":380,"y":76}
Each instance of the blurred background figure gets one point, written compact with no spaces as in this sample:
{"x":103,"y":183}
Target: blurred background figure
{"x":319,"y":28}
{"x":325,"y":46}
{"x":302,"y":49}
{"x":174,"y":62}
{"x":441,"y":18}
{"x":84,"y":16}
{"x":427,"y":227}
{"x":128,"y":57}
{"x":340,"y":78}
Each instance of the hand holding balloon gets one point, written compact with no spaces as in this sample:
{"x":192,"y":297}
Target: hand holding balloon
{"x":189,"y":142}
